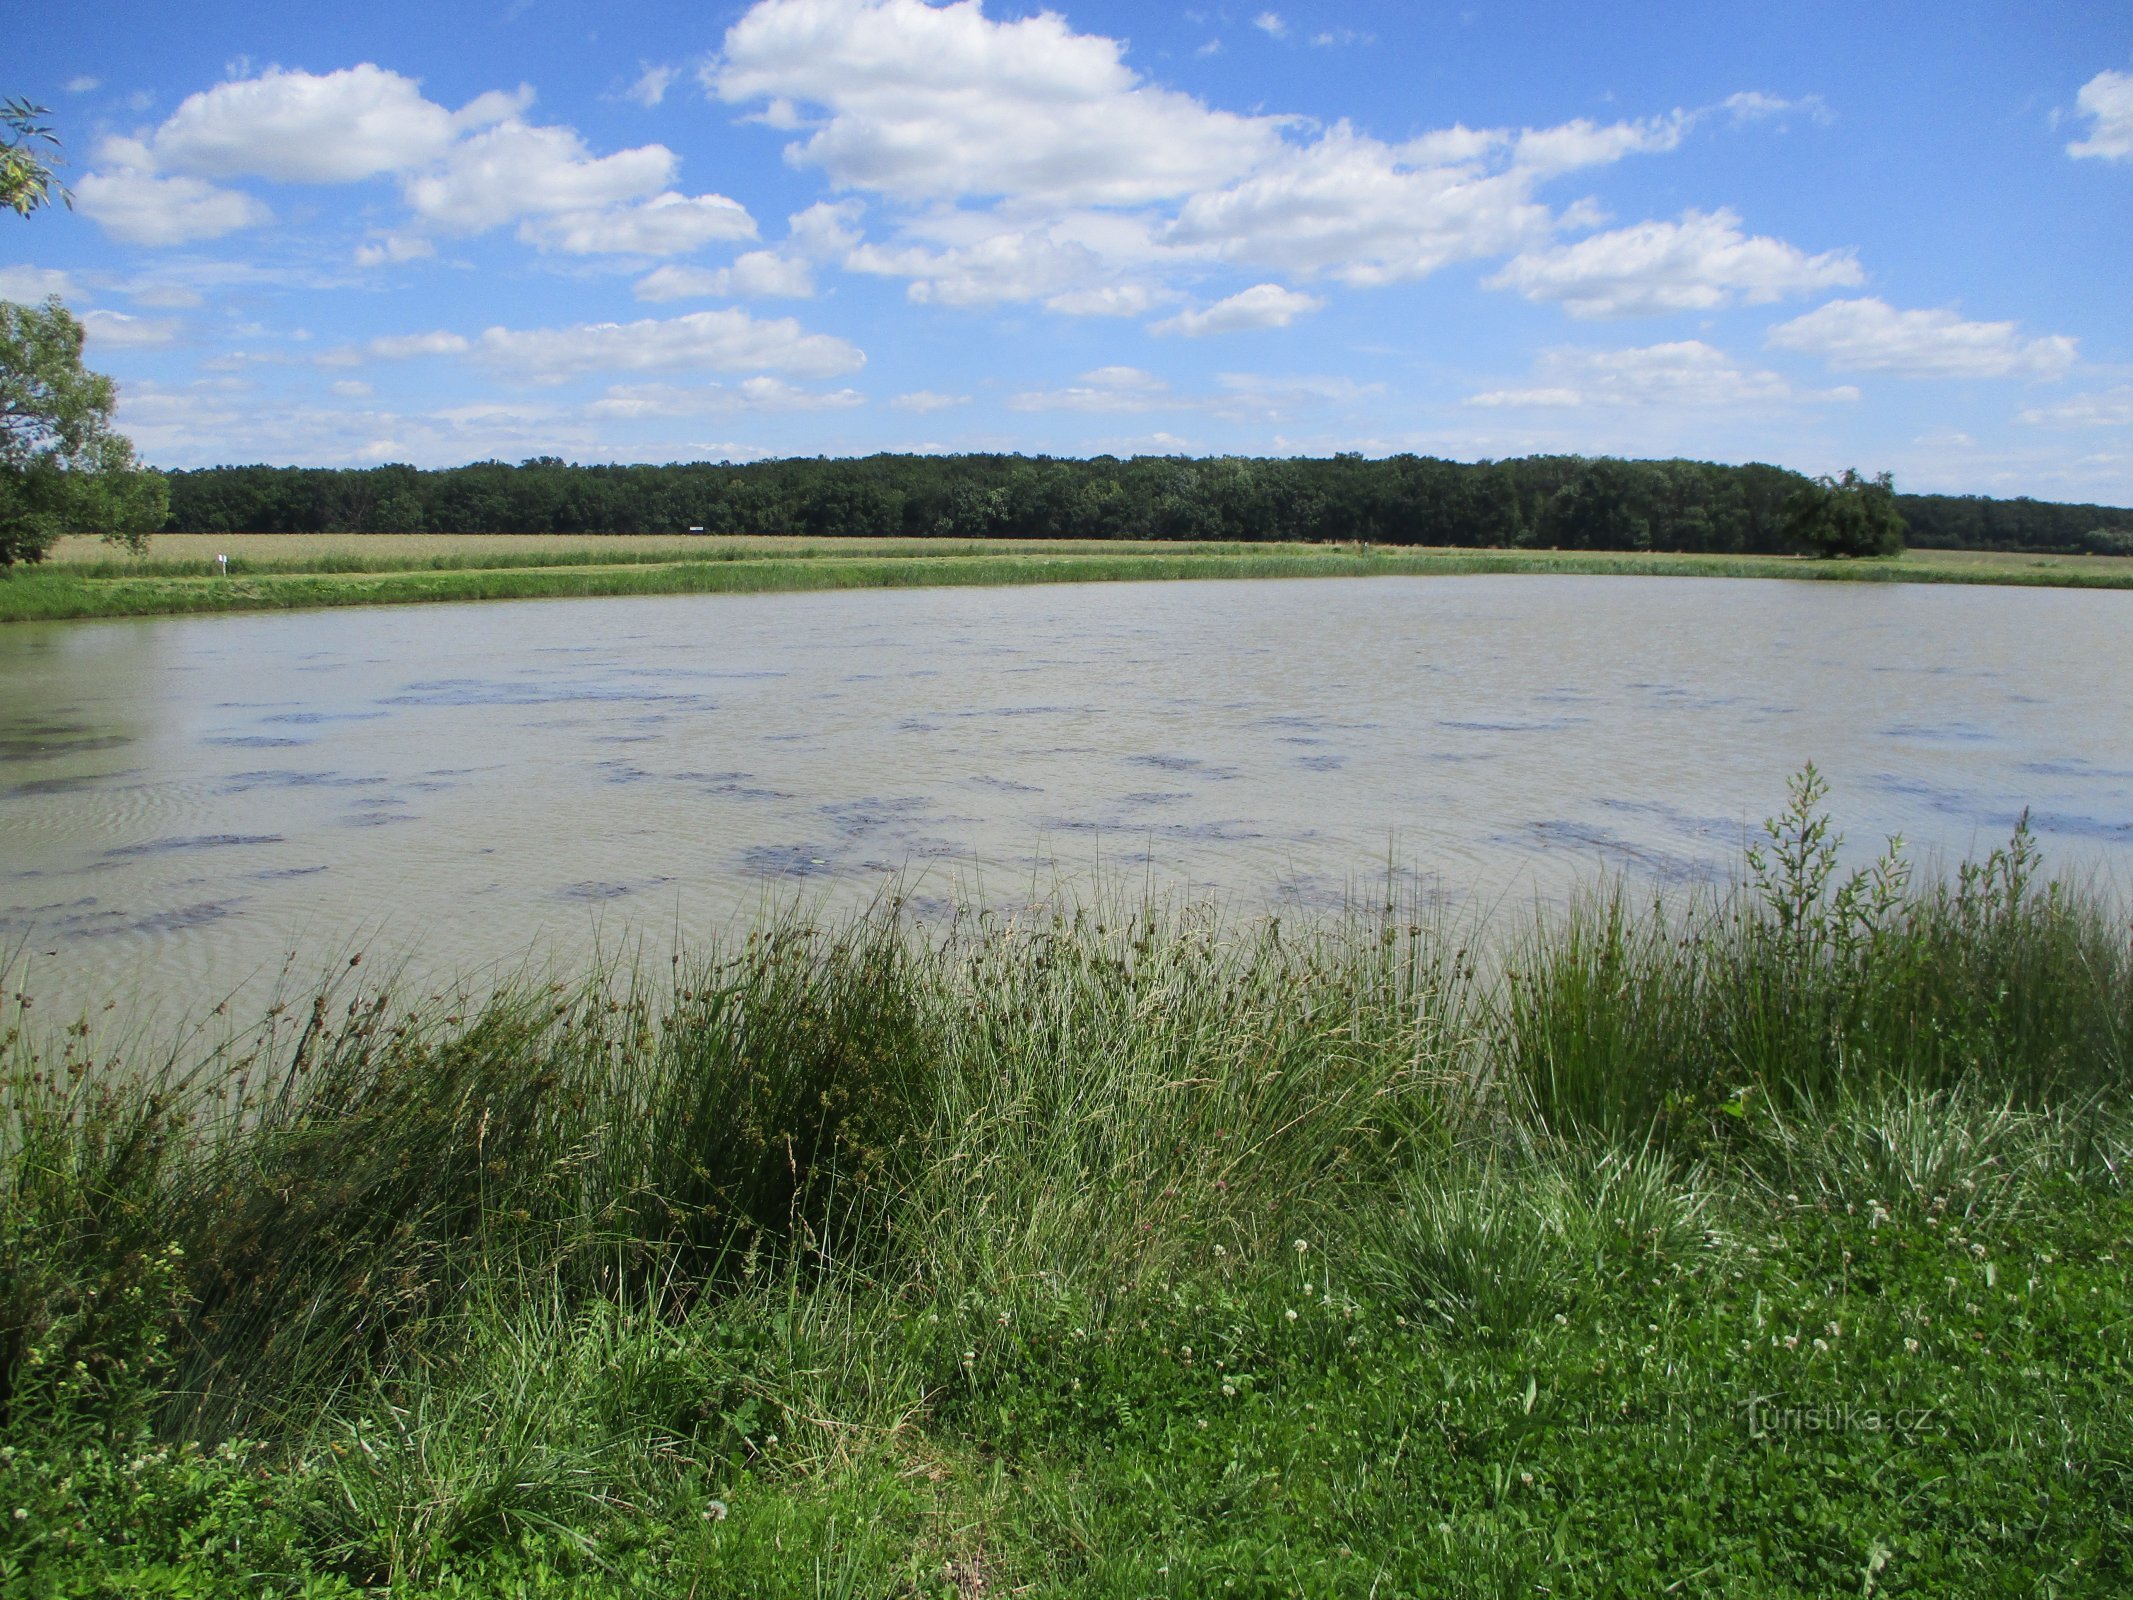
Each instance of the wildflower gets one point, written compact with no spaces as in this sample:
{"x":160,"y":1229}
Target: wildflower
{"x":1526,"y":1478}
{"x":1229,"y":1391}
{"x":1220,"y":1252}
{"x":1291,"y":1315}
{"x":1561,"y":1321}
{"x":1910,"y":1347}
{"x":1822,"y":1345}
{"x":21,"y":1514}
{"x":1832,"y":1329}
{"x":1302,"y":1246}
{"x":1792,"y":1341}
{"x":1978,"y":1250}
{"x":715,"y":1511}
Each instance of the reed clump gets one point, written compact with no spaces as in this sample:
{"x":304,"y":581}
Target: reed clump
{"x":1055,"y":1247}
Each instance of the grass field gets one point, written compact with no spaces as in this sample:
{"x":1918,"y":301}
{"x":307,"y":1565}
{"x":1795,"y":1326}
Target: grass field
{"x":85,"y":578}
{"x":1770,"y":1244}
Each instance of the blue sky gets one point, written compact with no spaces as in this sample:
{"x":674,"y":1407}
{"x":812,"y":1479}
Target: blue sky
{"x":1889,"y":236}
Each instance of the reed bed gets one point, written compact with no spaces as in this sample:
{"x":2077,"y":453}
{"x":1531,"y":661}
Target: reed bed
{"x":1111,"y":1248}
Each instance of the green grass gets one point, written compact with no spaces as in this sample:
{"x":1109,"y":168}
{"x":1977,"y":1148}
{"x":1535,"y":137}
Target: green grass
{"x":1768,"y":1245}
{"x":431,"y":570}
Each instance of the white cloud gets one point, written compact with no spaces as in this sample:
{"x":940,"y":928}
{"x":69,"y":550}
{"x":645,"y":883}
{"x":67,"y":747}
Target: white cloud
{"x":26,"y":285}
{"x":2107,"y":101}
{"x":351,"y":389}
{"x":720,"y":341}
{"x":1106,"y":390}
{"x":666,"y":225}
{"x":83,"y":84}
{"x":758,"y":275}
{"x":165,"y":296}
{"x":131,"y":203}
{"x":1263,"y":305}
{"x":1355,"y":208}
{"x":1753,"y":105}
{"x":394,"y":249}
{"x":115,"y":330}
{"x":2111,"y":409}
{"x":1031,"y":163}
{"x":925,"y":400}
{"x":297,"y":127}
{"x":760,"y":393}
{"x":402,"y":346}
{"x":1108,"y":300}
{"x":515,"y":170}
{"x":1271,"y":24}
{"x":1684,"y":375}
{"x":652,"y":85}
{"x":1697,"y":264}
{"x":1259,"y":397}
{"x":825,"y":230}
{"x":1870,"y":335}
{"x":938,"y":102}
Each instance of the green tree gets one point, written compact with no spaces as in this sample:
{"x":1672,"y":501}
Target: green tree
{"x":28,"y":153}
{"x":62,"y":469}
{"x":1847,"y":516}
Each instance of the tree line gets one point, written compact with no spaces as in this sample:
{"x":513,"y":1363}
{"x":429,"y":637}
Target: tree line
{"x":1565,"y":502}
{"x":1562,"y":502}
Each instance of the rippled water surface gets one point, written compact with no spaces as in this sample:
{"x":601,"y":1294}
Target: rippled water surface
{"x":183,"y":802}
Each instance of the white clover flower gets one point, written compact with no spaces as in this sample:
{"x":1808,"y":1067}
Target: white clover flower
{"x":1291,"y":1315}
{"x":1229,"y":1391}
{"x":1910,"y":1347}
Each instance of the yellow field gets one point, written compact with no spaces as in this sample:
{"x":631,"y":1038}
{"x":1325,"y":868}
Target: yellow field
{"x":418,"y":549}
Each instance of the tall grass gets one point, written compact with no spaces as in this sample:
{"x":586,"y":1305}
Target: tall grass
{"x":488,"y":1268}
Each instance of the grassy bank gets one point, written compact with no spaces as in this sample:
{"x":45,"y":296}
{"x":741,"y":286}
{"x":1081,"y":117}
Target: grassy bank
{"x":1765,"y":1244}
{"x":279,"y":573}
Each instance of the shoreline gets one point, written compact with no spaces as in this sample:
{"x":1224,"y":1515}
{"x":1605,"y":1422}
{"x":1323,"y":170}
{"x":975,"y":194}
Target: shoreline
{"x":53,"y":593}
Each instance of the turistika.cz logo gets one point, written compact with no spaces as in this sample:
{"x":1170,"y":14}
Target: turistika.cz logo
{"x":1772,"y":1415}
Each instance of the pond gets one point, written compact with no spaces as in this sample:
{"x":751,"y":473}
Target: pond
{"x":186,"y":802}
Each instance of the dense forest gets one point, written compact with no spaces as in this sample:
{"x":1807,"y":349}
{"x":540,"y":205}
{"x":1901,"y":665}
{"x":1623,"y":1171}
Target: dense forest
{"x":1564,"y":502}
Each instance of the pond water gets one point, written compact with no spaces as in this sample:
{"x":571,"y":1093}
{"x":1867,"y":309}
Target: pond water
{"x":185,"y":802}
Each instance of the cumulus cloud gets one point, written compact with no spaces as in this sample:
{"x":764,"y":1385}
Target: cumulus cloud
{"x":1697,"y":264}
{"x":1030,"y":163}
{"x":1263,"y":305}
{"x":1271,"y":24}
{"x":939,"y":102}
{"x":300,"y":127}
{"x":516,"y":169}
{"x":129,"y":201}
{"x":665,"y":225}
{"x":1870,"y":335}
{"x":757,"y":275}
{"x":351,"y":388}
{"x":2107,"y":101}
{"x":462,"y":171}
{"x":115,"y":330}
{"x":24,"y":285}
{"x":82,"y":83}
{"x":1687,"y":375}
{"x":720,"y":341}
